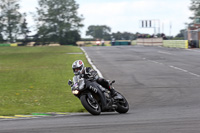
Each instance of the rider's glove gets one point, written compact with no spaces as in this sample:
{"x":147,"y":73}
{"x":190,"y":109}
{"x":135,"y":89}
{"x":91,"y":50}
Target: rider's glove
{"x":75,"y":86}
{"x":93,"y":75}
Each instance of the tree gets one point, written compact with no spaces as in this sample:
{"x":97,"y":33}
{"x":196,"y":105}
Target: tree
{"x":71,"y":37}
{"x":1,"y":38}
{"x":56,"y":18}
{"x":99,"y":31}
{"x":24,"y":28}
{"x":124,"y":36}
{"x":195,"y":7}
{"x":117,"y":35}
{"x":181,"y":34}
{"x":1,"y":30}
{"x":10,"y":19}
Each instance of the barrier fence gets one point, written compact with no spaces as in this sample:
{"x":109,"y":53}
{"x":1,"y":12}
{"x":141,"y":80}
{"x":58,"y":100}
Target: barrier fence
{"x":150,"y":41}
{"x":176,"y":43}
{"x":9,"y":44}
{"x":146,"y":41}
{"x":164,"y":43}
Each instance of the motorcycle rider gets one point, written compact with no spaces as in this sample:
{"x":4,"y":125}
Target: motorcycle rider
{"x":89,"y":73}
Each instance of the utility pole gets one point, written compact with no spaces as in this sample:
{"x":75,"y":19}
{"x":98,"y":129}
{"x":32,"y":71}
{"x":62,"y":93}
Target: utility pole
{"x":170,"y":28}
{"x":163,"y":28}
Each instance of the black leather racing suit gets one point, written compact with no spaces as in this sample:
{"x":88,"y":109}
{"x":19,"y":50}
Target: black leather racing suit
{"x":91,"y":73}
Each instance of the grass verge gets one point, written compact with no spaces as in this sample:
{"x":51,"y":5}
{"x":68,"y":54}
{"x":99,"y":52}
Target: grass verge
{"x":34,"y":79}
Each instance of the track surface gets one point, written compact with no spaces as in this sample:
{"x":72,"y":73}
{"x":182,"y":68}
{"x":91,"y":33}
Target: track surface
{"x":162,"y":86}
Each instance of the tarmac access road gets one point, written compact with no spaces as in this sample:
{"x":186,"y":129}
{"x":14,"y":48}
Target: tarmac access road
{"x":162,"y":86}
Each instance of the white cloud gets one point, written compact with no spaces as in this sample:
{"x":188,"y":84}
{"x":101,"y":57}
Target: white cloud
{"x":125,"y":16}
{"x":28,"y":5}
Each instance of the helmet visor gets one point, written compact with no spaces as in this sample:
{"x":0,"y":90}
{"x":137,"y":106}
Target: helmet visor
{"x":77,"y":70}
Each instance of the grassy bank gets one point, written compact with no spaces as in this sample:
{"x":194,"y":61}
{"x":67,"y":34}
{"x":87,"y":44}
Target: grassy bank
{"x":34,"y":79}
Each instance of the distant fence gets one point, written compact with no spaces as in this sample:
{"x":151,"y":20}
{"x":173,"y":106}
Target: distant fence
{"x":29,"y":44}
{"x":106,"y":43}
{"x":134,"y":42}
{"x":83,"y":43}
{"x":150,"y":41}
{"x":176,"y":43}
{"x":164,"y":43}
{"x":121,"y":42}
{"x":140,"y":41}
{"x":9,"y":44}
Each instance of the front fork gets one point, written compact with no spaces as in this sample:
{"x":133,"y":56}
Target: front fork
{"x":91,"y":98}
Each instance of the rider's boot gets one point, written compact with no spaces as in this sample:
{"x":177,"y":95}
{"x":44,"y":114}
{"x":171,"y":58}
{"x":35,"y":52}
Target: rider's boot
{"x":113,"y":92}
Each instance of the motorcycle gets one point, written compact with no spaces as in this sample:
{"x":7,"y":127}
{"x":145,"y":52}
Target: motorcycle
{"x":95,"y":98}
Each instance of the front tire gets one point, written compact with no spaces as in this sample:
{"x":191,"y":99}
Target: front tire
{"x":92,"y":107}
{"x":122,"y":105}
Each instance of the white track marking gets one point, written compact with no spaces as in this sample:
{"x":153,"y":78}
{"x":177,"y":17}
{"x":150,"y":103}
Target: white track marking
{"x":156,"y":62}
{"x":194,"y":74}
{"x":163,"y":52}
{"x":174,"y":67}
{"x":193,"y":50}
{"x":179,"y":68}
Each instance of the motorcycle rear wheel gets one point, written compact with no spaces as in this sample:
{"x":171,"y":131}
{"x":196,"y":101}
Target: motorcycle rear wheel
{"x":92,"y":107}
{"x":122,"y":105}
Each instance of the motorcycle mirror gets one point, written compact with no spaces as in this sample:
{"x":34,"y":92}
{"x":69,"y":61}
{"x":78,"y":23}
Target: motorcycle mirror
{"x":70,"y":82}
{"x":112,"y":82}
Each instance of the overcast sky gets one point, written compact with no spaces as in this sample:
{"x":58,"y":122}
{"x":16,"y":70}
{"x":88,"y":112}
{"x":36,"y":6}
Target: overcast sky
{"x":126,"y":15}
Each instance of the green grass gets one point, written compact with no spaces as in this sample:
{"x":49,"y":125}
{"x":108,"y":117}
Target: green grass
{"x":34,"y":79}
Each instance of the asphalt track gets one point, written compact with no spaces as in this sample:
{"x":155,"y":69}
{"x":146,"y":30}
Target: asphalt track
{"x":162,"y":86}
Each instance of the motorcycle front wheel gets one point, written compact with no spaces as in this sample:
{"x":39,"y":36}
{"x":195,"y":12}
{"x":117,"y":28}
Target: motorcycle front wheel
{"x":92,"y":106}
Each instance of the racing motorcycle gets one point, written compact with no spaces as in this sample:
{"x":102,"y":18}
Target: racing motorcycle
{"x":95,"y":98}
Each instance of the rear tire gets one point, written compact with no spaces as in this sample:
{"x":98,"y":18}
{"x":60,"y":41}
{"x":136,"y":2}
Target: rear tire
{"x":92,"y":107}
{"x":122,"y":105}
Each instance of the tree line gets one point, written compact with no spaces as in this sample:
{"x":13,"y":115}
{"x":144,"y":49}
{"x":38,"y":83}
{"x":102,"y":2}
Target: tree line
{"x":57,"y":21}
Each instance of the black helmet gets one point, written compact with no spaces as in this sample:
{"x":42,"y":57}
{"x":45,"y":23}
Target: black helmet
{"x":78,"y":67}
